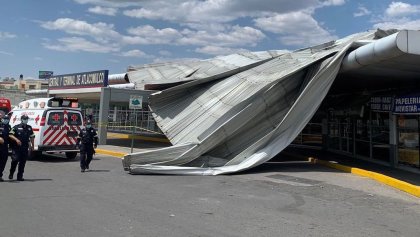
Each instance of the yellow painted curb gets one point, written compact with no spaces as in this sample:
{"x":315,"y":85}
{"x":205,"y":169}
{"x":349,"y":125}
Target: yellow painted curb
{"x":144,"y":138}
{"x":110,"y":153}
{"x":398,"y":184}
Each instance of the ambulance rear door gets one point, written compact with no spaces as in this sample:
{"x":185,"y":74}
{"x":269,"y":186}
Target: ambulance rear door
{"x":61,"y":129}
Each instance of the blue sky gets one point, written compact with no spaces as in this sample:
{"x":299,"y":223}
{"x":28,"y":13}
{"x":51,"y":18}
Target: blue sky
{"x":69,"y":36}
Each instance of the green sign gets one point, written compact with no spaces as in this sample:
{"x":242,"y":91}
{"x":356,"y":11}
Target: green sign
{"x":136,"y":102}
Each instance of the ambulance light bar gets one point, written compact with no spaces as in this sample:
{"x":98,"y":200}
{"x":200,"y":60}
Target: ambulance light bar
{"x":64,"y":102}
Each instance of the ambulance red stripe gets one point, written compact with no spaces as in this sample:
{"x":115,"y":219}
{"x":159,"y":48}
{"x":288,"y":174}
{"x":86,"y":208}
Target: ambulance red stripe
{"x":50,"y":135}
{"x":55,"y":137}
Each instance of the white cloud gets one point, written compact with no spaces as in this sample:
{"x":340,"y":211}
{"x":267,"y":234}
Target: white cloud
{"x":400,"y":16}
{"x":77,"y":44}
{"x":295,"y":28}
{"x":6,"y":53}
{"x":231,"y":36}
{"x":333,"y":2}
{"x":362,"y":11}
{"x":103,"y":10}
{"x":99,"y":30}
{"x":111,"y":3}
{"x":401,"y":24}
{"x":149,"y":35}
{"x":401,"y":9}
{"x":107,"y":39}
{"x":216,"y":50}
{"x":6,"y":35}
{"x":134,"y":53}
{"x":220,"y":11}
{"x":205,"y":24}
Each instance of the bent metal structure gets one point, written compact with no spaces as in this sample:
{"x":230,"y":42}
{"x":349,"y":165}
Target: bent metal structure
{"x":225,"y":124}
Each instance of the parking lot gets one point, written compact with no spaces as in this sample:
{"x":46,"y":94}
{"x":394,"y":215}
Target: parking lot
{"x":277,"y":199}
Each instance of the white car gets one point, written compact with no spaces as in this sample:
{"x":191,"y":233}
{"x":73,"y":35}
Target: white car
{"x":56,"y":123}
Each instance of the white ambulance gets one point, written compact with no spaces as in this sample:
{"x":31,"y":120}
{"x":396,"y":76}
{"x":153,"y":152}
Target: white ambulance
{"x":56,"y":123}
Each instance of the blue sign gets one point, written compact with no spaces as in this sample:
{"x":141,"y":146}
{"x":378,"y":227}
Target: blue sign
{"x":407,"y":105}
{"x":381,"y":103}
{"x":79,"y":80}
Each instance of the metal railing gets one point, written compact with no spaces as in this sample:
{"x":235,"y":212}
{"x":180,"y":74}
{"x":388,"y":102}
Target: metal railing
{"x":130,"y":121}
{"x":311,"y":135}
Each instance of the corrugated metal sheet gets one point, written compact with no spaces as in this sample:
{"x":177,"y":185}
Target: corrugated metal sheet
{"x":171,"y":72}
{"x":221,"y":125}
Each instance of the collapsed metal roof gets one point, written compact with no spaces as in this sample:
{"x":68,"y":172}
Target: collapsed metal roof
{"x":222,"y":122}
{"x":165,"y":75}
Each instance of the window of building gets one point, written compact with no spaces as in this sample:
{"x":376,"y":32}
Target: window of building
{"x":408,"y":140}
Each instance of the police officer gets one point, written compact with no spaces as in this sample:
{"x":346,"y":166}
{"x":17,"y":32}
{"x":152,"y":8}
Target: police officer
{"x":4,"y":143}
{"x":87,"y":142}
{"x":23,"y":136}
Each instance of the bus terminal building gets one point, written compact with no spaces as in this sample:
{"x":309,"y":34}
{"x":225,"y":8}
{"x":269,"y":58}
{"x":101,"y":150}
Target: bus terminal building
{"x":369,"y":109}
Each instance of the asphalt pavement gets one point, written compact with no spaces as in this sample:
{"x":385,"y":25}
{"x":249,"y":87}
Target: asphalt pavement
{"x":276,"y":199}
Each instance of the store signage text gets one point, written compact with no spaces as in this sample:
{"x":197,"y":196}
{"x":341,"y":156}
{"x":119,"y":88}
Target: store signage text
{"x":381,"y":103}
{"x":407,"y":105}
{"x":80,"y":80}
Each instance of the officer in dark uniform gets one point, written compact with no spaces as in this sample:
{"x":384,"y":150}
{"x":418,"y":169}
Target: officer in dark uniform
{"x":87,"y":142}
{"x":4,"y":143}
{"x":23,"y":136}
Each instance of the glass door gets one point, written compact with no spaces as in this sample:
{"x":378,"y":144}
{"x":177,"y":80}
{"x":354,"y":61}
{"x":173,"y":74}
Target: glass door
{"x":408,"y":137}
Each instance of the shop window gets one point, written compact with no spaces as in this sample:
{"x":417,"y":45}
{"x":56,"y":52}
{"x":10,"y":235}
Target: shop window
{"x":362,"y":137}
{"x":408,"y":137}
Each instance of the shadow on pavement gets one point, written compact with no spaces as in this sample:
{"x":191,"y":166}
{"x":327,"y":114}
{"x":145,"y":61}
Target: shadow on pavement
{"x":288,"y":166}
{"x":93,"y":171}
{"x":26,"y":180}
{"x":55,"y":159}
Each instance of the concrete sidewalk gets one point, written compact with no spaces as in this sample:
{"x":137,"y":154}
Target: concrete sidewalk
{"x":397,"y":178}
{"x":120,"y":147}
{"x":403,"y":180}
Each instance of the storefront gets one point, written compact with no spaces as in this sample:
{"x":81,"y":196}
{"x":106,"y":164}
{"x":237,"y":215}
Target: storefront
{"x":383,"y":129}
{"x":407,"y":110}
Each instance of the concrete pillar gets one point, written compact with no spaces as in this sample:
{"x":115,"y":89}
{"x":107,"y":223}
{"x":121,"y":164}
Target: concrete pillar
{"x":393,"y":140}
{"x":114,"y":116}
{"x":103,"y":114}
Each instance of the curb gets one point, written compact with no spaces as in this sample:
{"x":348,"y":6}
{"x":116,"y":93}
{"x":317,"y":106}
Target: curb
{"x":395,"y":183}
{"x":144,"y":138}
{"x":110,"y":153}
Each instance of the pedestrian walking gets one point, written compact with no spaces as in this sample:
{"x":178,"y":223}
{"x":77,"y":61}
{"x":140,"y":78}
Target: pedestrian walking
{"x":87,"y":143}
{"x":4,"y":143}
{"x":23,"y":137}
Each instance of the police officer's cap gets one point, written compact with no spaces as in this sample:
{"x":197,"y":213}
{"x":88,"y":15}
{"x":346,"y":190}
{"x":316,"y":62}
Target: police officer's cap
{"x":88,"y":121}
{"x":24,"y":116}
